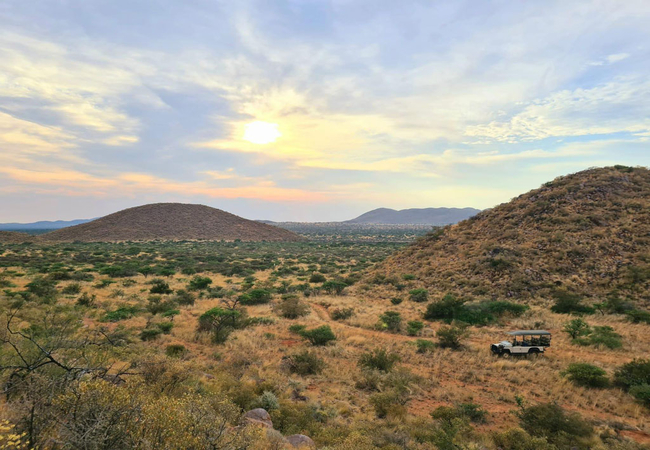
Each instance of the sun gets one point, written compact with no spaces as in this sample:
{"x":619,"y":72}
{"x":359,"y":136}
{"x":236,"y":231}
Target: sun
{"x":261,"y":132}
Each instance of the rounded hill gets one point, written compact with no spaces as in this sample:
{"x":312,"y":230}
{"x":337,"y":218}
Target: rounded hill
{"x":171,"y":221}
{"x":587,"y":233}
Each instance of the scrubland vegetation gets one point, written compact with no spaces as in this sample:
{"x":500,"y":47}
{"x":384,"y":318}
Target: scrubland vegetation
{"x":168,"y":345}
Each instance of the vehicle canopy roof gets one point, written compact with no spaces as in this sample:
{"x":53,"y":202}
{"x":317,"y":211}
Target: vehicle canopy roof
{"x":529,"y":333}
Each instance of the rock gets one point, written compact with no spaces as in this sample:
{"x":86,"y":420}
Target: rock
{"x":300,"y":441}
{"x":257,"y":416}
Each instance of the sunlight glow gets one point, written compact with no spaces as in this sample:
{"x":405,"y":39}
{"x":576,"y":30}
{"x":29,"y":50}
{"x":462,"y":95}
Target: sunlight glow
{"x":261,"y":132}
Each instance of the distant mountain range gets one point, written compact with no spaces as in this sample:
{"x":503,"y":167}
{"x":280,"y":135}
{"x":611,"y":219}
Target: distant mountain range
{"x":381,"y":216}
{"x":42,"y":225}
{"x":413,"y":216}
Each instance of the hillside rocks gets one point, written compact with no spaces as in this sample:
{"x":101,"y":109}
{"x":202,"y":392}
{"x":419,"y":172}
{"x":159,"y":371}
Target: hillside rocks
{"x":261,"y":418}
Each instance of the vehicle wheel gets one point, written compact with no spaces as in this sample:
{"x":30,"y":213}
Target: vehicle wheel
{"x":534,"y":353}
{"x":506,"y":355}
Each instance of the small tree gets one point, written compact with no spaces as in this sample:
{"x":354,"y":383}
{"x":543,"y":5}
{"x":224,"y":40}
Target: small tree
{"x":322,"y":335}
{"x":159,"y":286}
{"x":414,"y":327}
{"x":219,"y":322}
{"x":452,"y":336}
{"x":391,"y":320}
{"x":291,"y":307}
{"x":379,"y":359}
{"x":199,"y":283}
{"x":419,"y":295}
{"x":576,"y":328}
{"x":334,"y":287}
{"x":586,"y":375}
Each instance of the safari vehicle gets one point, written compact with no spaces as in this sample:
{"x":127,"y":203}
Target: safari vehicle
{"x":524,"y":342}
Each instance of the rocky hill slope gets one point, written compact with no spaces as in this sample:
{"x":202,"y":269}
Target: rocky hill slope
{"x":587,"y":233}
{"x":170,"y":221}
{"x":413,"y":216}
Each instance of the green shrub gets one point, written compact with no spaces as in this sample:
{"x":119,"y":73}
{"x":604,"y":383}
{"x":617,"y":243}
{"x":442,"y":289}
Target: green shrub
{"x":87,"y":299}
{"x":419,"y":295}
{"x":549,"y":420}
{"x":175,"y":350}
{"x":424,"y":345}
{"x":341,"y":313}
{"x":268,"y":401}
{"x":396,"y":300}
{"x":149,"y":334}
{"x":220,"y":322}
{"x":317,"y":278}
{"x":305,"y":363}
{"x":641,"y":392}
{"x":255,"y":297}
{"x":159,"y":286}
{"x":586,"y":375}
{"x":157,"y":305}
{"x":408,"y":277}
{"x":322,"y":335}
{"x":576,"y":328}
{"x":72,"y":289}
{"x":379,"y":359}
{"x":518,"y":439}
{"x":446,"y":309}
{"x":634,"y":373}
{"x":184,"y":298}
{"x":291,"y":307}
{"x":413,"y":327}
{"x":297,"y":329}
{"x":388,"y":404}
{"x":470,"y":411}
{"x":639,"y":316}
{"x":199,"y":283}
{"x":569,"y":303}
{"x":165,"y":327}
{"x":601,"y":336}
{"x":122,"y":313}
{"x":391,"y":321}
{"x":452,"y":336}
{"x":334,"y":287}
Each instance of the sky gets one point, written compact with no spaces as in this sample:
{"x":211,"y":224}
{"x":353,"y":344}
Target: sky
{"x":312,"y":110}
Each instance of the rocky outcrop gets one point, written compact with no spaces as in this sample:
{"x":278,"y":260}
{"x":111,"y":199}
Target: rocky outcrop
{"x":260,"y":417}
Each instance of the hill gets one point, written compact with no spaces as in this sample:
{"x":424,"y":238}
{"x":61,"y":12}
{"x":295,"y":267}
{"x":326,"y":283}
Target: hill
{"x":42,"y":225}
{"x":428,"y":216}
{"x":170,"y":221}
{"x":587,"y":233}
{"x":13,"y":237}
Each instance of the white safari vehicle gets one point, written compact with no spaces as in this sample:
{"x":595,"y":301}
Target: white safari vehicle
{"x":524,"y":342}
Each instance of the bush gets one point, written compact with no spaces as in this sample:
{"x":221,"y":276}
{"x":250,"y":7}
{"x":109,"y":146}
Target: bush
{"x":157,"y":305}
{"x":424,"y":345}
{"x":396,"y":300}
{"x":334,"y":287}
{"x":297,"y":329}
{"x":414,"y":327}
{"x":470,"y":411}
{"x":87,"y":299}
{"x":341,"y":314}
{"x":601,"y":336}
{"x":72,"y":289}
{"x":122,"y":313}
{"x":634,"y":373}
{"x":175,"y":350}
{"x":577,"y":328}
{"x":419,"y":295}
{"x":452,"y":336}
{"x":219,"y":322}
{"x":641,"y":392}
{"x":184,"y":298}
{"x":166,"y":327}
{"x":268,"y":401}
{"x":518,"y":439}
{"x":159,"y":286}
{"x":379,"y":359}
{"x":291,"y":307}
{"x":388,"y":404}
{"x":199,"y":283}
{"x":446,"y":309}
{"x":391,"y":321}
{"x":551,"y":421}
{"x":322,"y":335}
{"x":149,"y":334}
{"x":317,"y":278}
{"x":305,"y":363}
{"x":586,"y":375}
{"x":569,"y":303}
{"x":255,"y":297}
{"x":639,"y":316}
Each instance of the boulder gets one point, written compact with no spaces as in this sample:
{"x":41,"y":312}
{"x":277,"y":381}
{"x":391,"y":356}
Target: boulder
{"x":257,"y":416}
{"x":300,"y":441}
